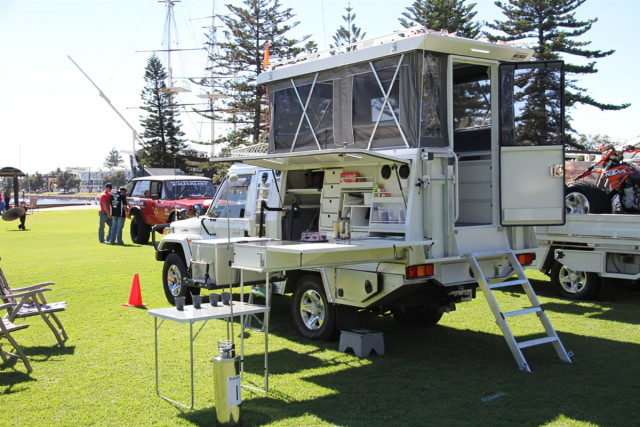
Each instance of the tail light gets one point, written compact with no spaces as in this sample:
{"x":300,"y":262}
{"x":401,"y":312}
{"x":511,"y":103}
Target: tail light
{"x":526,"y":259}
{"x":423,"y":270}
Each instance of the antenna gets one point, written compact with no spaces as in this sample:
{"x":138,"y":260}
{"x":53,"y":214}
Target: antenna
{"x":108,"y":101}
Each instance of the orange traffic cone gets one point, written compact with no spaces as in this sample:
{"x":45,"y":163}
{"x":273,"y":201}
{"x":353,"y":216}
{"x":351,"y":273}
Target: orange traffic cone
{"x":135,"y":298}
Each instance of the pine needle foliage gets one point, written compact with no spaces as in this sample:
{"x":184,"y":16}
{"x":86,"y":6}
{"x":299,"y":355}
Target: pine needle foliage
{"x":162,"y":135}
{"x":551,"y":28}
{"x":247,"y":30}
{"x":453,"y":16}
{"x":349,"y":34}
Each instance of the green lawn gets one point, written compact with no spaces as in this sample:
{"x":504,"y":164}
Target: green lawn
{"x":458,"y":373}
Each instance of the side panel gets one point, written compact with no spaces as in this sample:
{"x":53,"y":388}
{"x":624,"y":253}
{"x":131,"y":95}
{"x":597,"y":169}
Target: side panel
{"x":531,"y":144}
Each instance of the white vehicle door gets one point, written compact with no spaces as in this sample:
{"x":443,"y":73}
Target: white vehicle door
{"x":531,"y":143}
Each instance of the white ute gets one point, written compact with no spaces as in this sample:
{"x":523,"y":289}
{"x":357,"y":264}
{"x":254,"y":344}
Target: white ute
{"x":590,"y":249}
{"x":398,"y":177}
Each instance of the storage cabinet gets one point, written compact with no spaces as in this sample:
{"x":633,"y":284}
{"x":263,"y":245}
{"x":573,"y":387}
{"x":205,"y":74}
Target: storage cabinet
{"x":352,"y":195}
{"x":369,"y":210}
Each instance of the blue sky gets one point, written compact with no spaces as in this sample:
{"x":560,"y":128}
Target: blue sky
{"x":51,"y":116}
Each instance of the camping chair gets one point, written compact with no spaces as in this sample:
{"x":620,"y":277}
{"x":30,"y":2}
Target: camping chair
{"x":6,"y":327}
{"x":30,"y":301}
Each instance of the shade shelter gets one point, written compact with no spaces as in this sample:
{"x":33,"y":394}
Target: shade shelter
{"x":11,"y":172}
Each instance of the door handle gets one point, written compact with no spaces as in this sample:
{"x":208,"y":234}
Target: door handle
{"x":556,"y":171}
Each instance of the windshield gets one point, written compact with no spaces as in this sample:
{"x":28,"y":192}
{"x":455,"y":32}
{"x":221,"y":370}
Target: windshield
{"x":190,"y":189}
{"x":232,"y":195}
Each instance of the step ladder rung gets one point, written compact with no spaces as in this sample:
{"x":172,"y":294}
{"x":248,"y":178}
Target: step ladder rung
{"x":527,"y":310}
{"x":507,"y":283}
{"x":489,"y":284}
{"x":538,"y":341}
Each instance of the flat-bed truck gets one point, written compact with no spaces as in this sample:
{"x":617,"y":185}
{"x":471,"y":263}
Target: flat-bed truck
{"x":398,"y":178}
{"x":589,"y":249}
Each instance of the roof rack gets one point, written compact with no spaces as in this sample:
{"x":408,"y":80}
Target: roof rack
{"x":259,"y":148}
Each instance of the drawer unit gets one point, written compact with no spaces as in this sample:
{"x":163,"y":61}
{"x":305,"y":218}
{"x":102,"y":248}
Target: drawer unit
{"x":327,"y":220}
{"x":330,"y":205}
{"x":332,"y":176}
{"x":331,"y":190}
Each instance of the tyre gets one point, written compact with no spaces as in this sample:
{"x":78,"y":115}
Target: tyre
{"x":314,"y":318}
{"x":417,"y":316}
{"x":582,"y":198}
{"x":577,"y":285}
{"x":173,"y":274}
{"x":139,"y":230}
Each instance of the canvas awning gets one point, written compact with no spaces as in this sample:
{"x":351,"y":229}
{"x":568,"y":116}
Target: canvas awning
{"x":318,"y":159}
{"x":9,"y":171}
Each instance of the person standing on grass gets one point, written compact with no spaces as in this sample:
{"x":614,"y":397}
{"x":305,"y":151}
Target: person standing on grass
{"x":1,"y":202}
{"x":118,"y":202}
{"x":105,"y":213}
{"x":23,"y":218}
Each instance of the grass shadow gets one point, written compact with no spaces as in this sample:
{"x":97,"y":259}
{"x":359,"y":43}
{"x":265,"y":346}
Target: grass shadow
{"x":10,"y":380}
{"x":43,"y":354}
{"x":462,"y":369}
{"x":201,"y":417}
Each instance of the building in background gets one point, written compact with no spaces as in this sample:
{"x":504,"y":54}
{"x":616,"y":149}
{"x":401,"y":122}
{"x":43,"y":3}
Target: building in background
{"x":92,"y":180}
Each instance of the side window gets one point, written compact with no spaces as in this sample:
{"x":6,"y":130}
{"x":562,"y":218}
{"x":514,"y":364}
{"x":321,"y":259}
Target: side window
{"x":471,"y":107}
{"x":471,"y":97}
{"x":140,"y":189}
{"x":291,"y":125}
{"x":430,"y":122}
{"x":370,"y":112}
{"x":157,"y":190}
{"x":531,"y":104}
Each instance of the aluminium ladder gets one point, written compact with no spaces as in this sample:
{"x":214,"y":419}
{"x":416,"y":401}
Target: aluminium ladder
{"x":489,"y":284}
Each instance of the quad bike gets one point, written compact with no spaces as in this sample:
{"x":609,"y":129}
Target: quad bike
{"x":617,"y":189}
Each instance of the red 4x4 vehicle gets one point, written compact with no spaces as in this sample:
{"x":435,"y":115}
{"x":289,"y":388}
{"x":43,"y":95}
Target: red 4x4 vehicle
{"x":163,"y":199}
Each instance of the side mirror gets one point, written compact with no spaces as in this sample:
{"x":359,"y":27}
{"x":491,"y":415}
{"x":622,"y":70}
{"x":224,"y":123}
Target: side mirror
{"x":198,"y":209}
{"x":182,"y":214}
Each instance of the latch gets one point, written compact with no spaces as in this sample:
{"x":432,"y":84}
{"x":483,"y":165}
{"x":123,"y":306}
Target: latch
{"x":424,"y":181}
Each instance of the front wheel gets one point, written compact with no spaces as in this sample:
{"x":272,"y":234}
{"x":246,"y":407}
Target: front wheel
{"x":578,"y":285}
{"x":173,"y":274}
{"x":314,"y":318}
{"x":139,"y":230}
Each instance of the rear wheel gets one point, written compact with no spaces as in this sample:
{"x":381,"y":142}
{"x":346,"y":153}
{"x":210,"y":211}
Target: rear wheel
{"x":313,"y":316}
{"x":582,"y":198}
{"x":139,"y":230}
{"x":574,"y":284}
{"x":173,"y":274}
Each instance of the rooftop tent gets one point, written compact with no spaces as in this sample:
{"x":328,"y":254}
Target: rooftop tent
{"x":367,"y":105}
{"x":11,"y":172}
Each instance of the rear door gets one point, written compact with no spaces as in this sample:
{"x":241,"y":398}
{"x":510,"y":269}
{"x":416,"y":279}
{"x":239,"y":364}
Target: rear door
{"x":531,"y":143}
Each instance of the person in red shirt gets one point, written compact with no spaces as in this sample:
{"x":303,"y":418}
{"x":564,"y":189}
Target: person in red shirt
{"x":105,"y":213}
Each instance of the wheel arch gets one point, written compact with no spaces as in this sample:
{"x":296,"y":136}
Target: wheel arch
{"x":550,"y":259}
{"x":178,"y":247}
{"x":294,"y":276}
{"x":134,"y":211}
